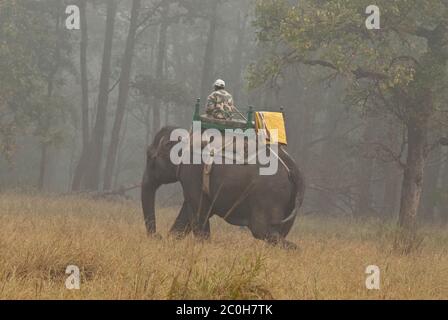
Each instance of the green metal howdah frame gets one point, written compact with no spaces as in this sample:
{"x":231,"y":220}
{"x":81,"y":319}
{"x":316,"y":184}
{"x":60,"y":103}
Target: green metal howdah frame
{"x":208,"y":123}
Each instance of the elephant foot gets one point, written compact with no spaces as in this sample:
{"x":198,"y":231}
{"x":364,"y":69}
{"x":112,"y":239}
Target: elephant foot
{"x":178,"y":234}
{"x":280,"y":242}
{"x":155,"y":236}
{"x":202,"y":236}
{"x":202,"y":231}
{"x":288,"y":245}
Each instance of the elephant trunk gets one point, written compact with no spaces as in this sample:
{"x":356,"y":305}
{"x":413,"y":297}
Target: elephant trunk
{"x":149,"y":189}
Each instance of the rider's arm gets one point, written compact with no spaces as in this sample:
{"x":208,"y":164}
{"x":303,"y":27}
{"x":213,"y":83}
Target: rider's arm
{"x":211,"y":104}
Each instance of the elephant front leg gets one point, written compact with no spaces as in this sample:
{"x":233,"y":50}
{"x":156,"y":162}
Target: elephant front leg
{"x":182,"y":226}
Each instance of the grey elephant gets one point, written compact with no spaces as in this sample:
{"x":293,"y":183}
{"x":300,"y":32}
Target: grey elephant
{"x":267,"y":205}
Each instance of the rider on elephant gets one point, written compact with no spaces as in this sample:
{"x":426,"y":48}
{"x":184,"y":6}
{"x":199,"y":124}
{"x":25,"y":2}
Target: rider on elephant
{"x":220,"y":102}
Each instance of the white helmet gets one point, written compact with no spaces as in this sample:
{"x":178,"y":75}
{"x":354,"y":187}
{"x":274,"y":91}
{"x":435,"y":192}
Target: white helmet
{"x":220,"y":84}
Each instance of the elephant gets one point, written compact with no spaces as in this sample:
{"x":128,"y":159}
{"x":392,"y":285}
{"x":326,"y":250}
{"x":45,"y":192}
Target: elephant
{"x":267,"y":205}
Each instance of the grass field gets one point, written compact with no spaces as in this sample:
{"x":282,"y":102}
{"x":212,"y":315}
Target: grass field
{"x":40,"y":236}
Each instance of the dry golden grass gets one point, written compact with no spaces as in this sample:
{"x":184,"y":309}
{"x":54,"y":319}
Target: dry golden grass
{"x":41,"y":236}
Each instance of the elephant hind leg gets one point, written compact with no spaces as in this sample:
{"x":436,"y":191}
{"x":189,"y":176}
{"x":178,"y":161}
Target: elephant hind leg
{"x":286,"y":227}
{"x":202,"y":231}
{"x":276,"y":239}
{"x":262,"y":228}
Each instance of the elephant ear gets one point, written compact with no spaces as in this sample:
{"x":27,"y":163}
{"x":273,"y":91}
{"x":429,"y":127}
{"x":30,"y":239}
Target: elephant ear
{"x":168,"y":144}
{"x":165,"y":146}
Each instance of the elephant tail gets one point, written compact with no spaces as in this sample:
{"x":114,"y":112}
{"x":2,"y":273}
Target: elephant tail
{"x":298,"y":185}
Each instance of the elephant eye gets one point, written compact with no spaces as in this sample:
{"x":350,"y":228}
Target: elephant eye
{"x":150,"y":158}
{"x":151,"y":154}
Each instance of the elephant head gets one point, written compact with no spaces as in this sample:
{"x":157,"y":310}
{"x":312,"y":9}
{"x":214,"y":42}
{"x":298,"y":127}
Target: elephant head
{"x":159,"y":171}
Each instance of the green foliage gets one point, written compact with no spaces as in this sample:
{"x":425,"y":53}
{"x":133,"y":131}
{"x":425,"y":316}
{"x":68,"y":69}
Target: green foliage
{"x":32,"y":52}
{"x":393,"y":66}
{"x":49,"y":116}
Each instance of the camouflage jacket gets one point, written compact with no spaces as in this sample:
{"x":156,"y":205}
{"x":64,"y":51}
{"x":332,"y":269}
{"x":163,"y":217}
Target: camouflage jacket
{"x":218,"y":102}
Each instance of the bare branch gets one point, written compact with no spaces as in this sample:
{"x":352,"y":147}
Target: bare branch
{"x":386,"y":154}
{"x":320,"y":63}
{"x":361,"y":73}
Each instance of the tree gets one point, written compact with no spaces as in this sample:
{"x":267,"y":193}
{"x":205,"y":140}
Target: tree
{"x":47,"y":118}
{"x":430,"y":185}
{"x":20,"y":32}
{"x":209,"y":55}
{"x":84,"y":87}
{"x":400,"y":69}
{"x":33,"y":54}
{"x":161,"y":57}
{"x":89,"y":166}
{"x":123,"y":93}
{"x":237,"y":60}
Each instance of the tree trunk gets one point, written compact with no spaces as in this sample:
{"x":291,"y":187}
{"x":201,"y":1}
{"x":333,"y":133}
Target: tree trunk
{"x":50,"y":87}
{"x":413,"y":173}
{"x":430,"y":185}
{"x":392,"y":175}
{"x":161,"y":56}
{"x":43,"y":166}
{"x":364,"y":176}
{"x":391,"y":188}
{"x":167,"y":114}
{"x":238,"y":57}
{"x":148,"y":112}
{"x":148,"y":125}
{"x":84,"y":77}
{"x":208,"y":67}
{"x":123,"y":94}
{"x":89,"y":166}
{"x":444,"y":206}
{"x":85,"y":97}
{"x":118,"y":165}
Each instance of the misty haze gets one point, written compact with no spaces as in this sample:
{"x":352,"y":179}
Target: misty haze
{"x":349,"y":99}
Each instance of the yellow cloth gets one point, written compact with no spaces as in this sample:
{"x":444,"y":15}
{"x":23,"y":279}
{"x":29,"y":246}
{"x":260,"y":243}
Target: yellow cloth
{"x":269,"y":121}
